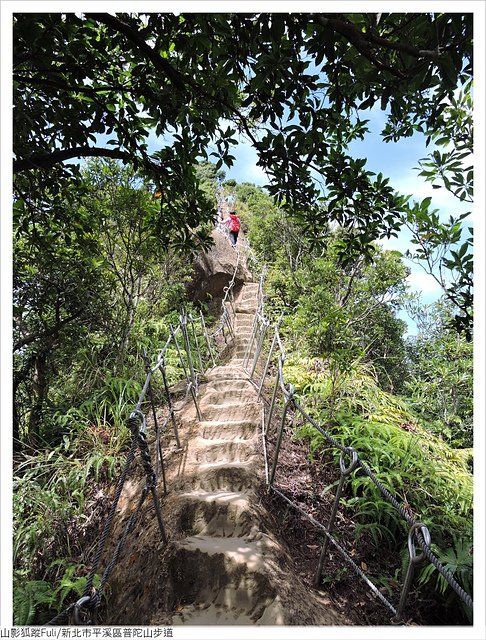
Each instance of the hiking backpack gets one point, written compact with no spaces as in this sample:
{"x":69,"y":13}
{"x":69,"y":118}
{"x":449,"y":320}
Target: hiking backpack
{"x":235,"y":223}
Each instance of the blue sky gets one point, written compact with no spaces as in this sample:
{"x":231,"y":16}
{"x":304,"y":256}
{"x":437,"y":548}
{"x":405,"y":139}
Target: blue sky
{"x":396,"y":160}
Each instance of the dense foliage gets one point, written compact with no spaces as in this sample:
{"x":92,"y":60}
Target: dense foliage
{"x":296,"y":85}
{"x":404,"y":403}
{"x":441,"y":375}
{"x":90,"y":298}
{"x":101,"y":248}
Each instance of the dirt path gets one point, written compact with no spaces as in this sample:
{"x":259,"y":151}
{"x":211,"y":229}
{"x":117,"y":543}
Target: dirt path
{"x":225,"y":563}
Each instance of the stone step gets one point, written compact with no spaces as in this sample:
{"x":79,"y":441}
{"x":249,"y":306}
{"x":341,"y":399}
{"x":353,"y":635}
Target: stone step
{"x":210,"y":615}
{"x":231,"y":412}
{"x":228,"y":477}
{"x":228,"y":372}
{"x":207,"y":450}
{"x":247,"y":309}
{"x":216,"y":451}
{"x":217,"y":577}
{"x":222,"y":464}
{"x":228,"y":397}
{"x":236,"y":430}
{"x":217,"y":513}
{"x":229,"y":385}
{"x":252,"y":554}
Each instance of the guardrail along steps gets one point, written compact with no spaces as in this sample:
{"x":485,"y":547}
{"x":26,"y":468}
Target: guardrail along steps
{"x":220,"y":559}
{"x":228,"y":566}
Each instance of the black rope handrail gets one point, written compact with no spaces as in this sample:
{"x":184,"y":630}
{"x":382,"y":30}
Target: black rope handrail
{"x":420,"y":531}
{"x":91,"y":598}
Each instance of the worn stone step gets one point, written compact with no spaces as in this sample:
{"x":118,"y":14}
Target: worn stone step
{"x":229,"y":385}
{"x":229,"y":397}
{"x":231,"y":411}
{"x":216,"y":451}
{"x":217,"y":513}
{"x":203,"y":614}
{"x":227,"y":372}
{"x":234,"y":430}
{"x":228,"y":477}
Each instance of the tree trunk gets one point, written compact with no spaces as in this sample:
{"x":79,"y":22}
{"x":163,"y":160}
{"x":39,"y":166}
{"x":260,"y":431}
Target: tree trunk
{"x":132,"y":305}
{"x":39,"y":390}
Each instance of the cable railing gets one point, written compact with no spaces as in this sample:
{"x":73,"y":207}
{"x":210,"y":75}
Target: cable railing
{"x":349,"y":462}
{"x":197,"y":351}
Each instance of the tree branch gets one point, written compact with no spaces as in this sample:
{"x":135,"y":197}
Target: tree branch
{"x":352,"y":276}
{"x":161,"y":64}
{"x":23,"y":342}
{"x":48,"y":160}
{"x":362,"y":41}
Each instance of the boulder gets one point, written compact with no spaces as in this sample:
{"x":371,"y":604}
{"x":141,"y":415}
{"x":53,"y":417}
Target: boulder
{"x":214,"y":269}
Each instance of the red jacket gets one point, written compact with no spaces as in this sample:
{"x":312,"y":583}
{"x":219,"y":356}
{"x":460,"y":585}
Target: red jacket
{"x":234,"y":222}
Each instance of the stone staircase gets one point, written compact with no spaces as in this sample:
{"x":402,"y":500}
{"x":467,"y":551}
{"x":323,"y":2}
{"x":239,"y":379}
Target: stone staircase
{"x":227,"y":565}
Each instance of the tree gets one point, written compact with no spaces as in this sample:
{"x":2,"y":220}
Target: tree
{"x":440,"y":386}
{"x":294,"y":85}
{"x":436,"y":243}
{"x":126,"y":214}
{"x":58,"y":296}
{"x":332,"y":312}
{"x":78,"y":287}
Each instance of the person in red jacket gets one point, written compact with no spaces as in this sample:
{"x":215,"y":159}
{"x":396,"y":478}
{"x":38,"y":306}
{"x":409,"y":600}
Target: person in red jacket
{"x":234,"y":227}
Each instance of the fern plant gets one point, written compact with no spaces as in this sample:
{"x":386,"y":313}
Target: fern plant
{"x":427,"y":476}
{"x":28,"y":598}
{"x":36,"y":601}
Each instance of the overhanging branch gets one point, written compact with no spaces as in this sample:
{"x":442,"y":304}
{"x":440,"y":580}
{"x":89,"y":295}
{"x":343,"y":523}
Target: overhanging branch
{"x":161,"y":64}
{"x":48,"y":160}
{"x":362,"y":41}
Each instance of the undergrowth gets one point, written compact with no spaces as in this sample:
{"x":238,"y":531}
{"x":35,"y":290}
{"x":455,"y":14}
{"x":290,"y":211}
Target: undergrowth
{"x":61,"y":493}
{"x":431,"y":480}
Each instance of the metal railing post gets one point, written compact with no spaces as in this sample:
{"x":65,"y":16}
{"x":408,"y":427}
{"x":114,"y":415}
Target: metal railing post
{"x":158,"y":448}
{"x":259,"y":347}
{"x":230,"y":323}
{"x":207,"y":338}
{"x":183,"y":321}
{"x":413,"y":562}
{"x":345,"y":471}
{"x":179,"y":352}
{"x":272,"y":405}
{"x":287,"y":402}
{"x":197,"y":343}
{"x":194,"y":399}
{"x":169,"y":402}
{"x":270,"y":354}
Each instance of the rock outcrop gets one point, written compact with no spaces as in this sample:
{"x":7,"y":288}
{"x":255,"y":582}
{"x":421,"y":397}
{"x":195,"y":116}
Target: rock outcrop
{"x":215,"y":268}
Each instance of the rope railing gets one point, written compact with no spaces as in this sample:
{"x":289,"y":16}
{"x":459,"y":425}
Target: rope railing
{"x":197,"y":351}
{"x":418,"y":532}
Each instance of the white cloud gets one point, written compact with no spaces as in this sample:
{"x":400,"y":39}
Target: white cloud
{"x":245,"y":167}
{"x":412,"y":184}
{"x":424,"y":283}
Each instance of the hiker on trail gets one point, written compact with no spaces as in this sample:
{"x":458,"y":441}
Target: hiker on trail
{"x":234,"y":227}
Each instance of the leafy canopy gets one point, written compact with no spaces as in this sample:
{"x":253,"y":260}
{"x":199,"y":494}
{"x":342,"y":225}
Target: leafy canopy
{"x":295,"y":85}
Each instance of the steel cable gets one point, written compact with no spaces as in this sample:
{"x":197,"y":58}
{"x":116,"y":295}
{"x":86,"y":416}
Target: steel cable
{"x":463,"y":595}
{"x":132,"y":423}
{"x":91,"y":597}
